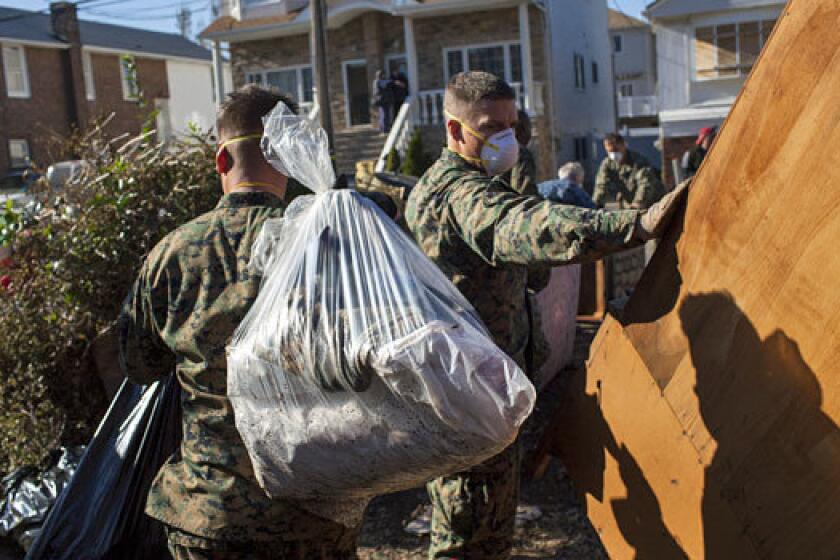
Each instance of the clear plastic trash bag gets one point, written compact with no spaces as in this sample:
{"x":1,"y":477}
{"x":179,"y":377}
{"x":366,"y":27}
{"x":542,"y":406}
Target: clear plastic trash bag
{"x":360,"y":369}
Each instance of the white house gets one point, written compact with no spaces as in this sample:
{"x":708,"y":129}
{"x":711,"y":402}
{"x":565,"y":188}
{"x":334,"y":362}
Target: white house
{"x":705,"y":50}
{"x":634,"y":68}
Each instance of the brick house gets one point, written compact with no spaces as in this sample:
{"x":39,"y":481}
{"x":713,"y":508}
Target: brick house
{"x":705,"y":51}
{"x":58,"y":73}
{"x":558,"y":63}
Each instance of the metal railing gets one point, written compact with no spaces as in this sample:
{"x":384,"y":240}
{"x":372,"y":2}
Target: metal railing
{"x":399,"y":136}
{"x":430,"y":103}
{"x":637,"y":106}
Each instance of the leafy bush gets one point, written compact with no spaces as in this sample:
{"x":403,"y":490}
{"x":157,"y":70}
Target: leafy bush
{"x":416,"y":160}
{"x":73,"y":264}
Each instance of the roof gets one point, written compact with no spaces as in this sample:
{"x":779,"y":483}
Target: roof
{"x":619,"y":20}
{"x":23,"y":25}
{"x":661,"y":9}
{"x":228,"y":23}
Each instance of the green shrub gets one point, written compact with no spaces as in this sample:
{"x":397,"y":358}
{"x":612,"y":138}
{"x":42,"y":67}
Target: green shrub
{"x":393,"y":163}
{"x":416,"y":160}
{"x":73,"y":265}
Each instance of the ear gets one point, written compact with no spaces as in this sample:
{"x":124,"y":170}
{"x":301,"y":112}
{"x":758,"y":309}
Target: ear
{"x":456,"y":131}
{"x":223,"y":161}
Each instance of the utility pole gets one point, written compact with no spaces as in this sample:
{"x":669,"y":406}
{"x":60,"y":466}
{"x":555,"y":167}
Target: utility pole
{"x":319,"y":50}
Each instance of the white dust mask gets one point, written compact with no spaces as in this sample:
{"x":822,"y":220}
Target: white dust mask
{"x":615,"y":156}
{"x":499,"y":152}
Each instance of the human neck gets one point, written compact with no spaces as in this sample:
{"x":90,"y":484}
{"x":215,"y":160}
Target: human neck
{"x":244,"y":181}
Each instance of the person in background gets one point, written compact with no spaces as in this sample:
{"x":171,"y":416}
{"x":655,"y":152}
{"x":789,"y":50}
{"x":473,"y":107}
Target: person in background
{"x":523,"y":177}
{"x":626,"y":178}
{"x":485,"y":237}
{"x":399,"y":86}
{"x":193,"y":290}
{"x":568,"y":188}
{"x":693,"y":158}
{"x":383,"y":100}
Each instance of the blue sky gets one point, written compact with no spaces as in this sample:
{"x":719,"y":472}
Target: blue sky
{"x":159,"y":15}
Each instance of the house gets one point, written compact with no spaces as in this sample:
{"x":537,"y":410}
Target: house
{"x":555,"y":54}
{"x":705,"y":51}
{"x":59,"y":73}
{"x":634,"y":70}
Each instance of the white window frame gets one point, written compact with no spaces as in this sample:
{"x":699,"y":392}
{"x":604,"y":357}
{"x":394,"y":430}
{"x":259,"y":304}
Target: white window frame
{"x":87,"y":70}
{"x":447,"y":74}
{"x":27,"y":154}
{"x":26,"y":92}
{"x":128,"y":95}
{"x":621,"y":90}
{"x":298,"y":69}
{"x":762,"y":40}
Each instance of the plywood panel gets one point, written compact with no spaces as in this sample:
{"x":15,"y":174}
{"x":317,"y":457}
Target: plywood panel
{"x":715,"y":403}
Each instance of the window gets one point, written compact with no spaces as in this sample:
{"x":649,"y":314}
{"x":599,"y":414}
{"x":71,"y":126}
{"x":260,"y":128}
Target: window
{"x":128,"y":74}
{"x":625,"y":90}
{"x":731,"y":50}
{"x":594,"y":72}
{"x":14,"y":64}
{"x":580,"y":72}
{"x":581,"y":151}
{"x":18,"y":153}
{"x":501,"y":59}
{"x":297,"y":82}
{"x":87,"y":68}
{"x":618,"y":43}
{"x":396,"y":63}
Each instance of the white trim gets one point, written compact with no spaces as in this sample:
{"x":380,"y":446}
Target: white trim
{"x":89,"y":78}
{"x":390,"y":57}
{"x":411,"y":57}
{"x":143,"y":54}
{"x":26,"y":92}
{"x":344,"y":65}
{"x":526,"y":59}
{"x":465,"y":58}
{"x":124,"y":80}
{"x":30,"y":43}
{"x":27,"y":154}
{"x":297,"y":69}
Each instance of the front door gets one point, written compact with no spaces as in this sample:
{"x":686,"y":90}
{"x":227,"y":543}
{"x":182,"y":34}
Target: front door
{"x":357,"y":92}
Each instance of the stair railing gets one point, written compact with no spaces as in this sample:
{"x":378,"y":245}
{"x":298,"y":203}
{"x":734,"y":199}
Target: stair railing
{"x":399,"y":136}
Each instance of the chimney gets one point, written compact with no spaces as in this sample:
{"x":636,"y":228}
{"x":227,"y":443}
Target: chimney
{"x":64,"y":21}
{"x":65,"y":26}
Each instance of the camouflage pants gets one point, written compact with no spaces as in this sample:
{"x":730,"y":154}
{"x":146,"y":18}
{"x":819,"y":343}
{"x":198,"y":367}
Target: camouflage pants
{"x":183,"y":546}
{"x":474,"y":512}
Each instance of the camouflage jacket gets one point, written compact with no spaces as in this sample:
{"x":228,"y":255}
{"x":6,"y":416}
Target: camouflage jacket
{"x":484,"y":237}
{"x":632,"y":183}
{"x":192,"y":291}
{"x":523,"y":177}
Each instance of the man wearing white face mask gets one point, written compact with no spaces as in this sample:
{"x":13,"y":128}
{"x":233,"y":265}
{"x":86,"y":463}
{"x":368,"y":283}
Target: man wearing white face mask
{"x":626,"y":177}
{"x":484,"y":237}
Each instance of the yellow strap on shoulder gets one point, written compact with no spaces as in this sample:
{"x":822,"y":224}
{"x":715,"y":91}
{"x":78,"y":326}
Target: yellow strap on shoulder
{"x":251,"y":184}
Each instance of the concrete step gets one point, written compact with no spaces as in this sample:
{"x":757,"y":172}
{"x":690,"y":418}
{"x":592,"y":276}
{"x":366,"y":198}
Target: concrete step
{"x":356,"y":145}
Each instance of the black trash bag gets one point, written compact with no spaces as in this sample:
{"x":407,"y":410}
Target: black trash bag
{"x":29,"y":493}
{"x":100,"y":514}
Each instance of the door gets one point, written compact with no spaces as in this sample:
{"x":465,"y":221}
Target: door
{"x":356,"y":92}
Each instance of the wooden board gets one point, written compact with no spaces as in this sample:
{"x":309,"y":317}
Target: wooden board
{"x":706,"y":424}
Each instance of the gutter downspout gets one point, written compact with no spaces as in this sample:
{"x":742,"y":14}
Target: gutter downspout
{"x":548,"y":40}
{"x":218,"y":73}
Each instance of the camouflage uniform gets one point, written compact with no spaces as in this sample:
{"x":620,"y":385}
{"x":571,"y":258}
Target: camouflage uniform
{"x":632,"y":183}
{"x":484,"y":237}
{"x":192,"y":291}
{"x":523,"y":177}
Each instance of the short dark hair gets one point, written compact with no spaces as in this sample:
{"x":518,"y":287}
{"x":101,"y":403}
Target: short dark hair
{"x":614,"y":138}
{"x":243,"y":110}
{"x":466,"y":89}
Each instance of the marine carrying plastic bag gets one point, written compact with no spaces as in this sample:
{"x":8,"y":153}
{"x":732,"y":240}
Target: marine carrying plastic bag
{"x":360,"y":369}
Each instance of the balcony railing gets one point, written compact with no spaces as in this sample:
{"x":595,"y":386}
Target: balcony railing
{"x":637,"y":106}
{"x":430,"y":104}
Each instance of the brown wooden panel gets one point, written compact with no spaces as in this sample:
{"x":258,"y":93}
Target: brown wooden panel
{"x":713,"y":410}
